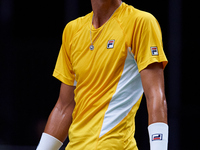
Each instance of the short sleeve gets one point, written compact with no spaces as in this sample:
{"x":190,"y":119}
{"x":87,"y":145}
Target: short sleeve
{"x":148,"y":46}
{"x":63,"y":70}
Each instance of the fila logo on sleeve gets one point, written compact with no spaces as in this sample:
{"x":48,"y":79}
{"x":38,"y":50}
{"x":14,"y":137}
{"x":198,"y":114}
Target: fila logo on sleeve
{"x":157,"y":137}
{"x":154,"y":51}
{"x":110,"y":44}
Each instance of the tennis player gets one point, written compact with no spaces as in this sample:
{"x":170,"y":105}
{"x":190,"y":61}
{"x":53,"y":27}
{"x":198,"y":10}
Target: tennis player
{"x":108,"y":58}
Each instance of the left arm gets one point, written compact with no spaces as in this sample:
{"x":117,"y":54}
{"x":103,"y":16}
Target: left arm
{"x":153,"y":85}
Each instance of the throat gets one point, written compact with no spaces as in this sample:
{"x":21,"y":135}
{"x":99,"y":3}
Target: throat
{"x":98,"y":22}
{"x":103,"y":10}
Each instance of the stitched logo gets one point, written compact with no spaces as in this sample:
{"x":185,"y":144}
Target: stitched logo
{"x":110,"y":44}
{"x":157,"y":137}
{"x":154,"y":50}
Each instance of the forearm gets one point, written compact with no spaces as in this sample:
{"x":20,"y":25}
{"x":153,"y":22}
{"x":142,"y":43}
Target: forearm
{"x":157,"y":109}
{"x":59,"y":121}
{"x":158,"y":128}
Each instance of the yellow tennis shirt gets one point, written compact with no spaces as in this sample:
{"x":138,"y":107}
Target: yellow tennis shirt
{"x":107,"y":79}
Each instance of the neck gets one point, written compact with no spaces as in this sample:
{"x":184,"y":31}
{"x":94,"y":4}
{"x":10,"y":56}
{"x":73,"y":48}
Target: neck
{"x":102,"y":10}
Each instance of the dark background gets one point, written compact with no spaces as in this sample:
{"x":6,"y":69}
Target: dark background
{"x":30,"y":39}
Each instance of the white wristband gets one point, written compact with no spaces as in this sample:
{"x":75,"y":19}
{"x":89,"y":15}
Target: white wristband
{"x":158,"y":136}
{"x":48,"y":142}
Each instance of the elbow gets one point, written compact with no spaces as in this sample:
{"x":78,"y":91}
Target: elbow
{"x":66,"y":108}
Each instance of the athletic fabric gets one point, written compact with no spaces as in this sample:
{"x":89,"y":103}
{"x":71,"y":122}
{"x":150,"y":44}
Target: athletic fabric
{"x":107,"y":79}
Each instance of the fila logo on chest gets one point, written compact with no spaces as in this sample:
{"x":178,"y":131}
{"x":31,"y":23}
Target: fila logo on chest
{"x":110,"y":44}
